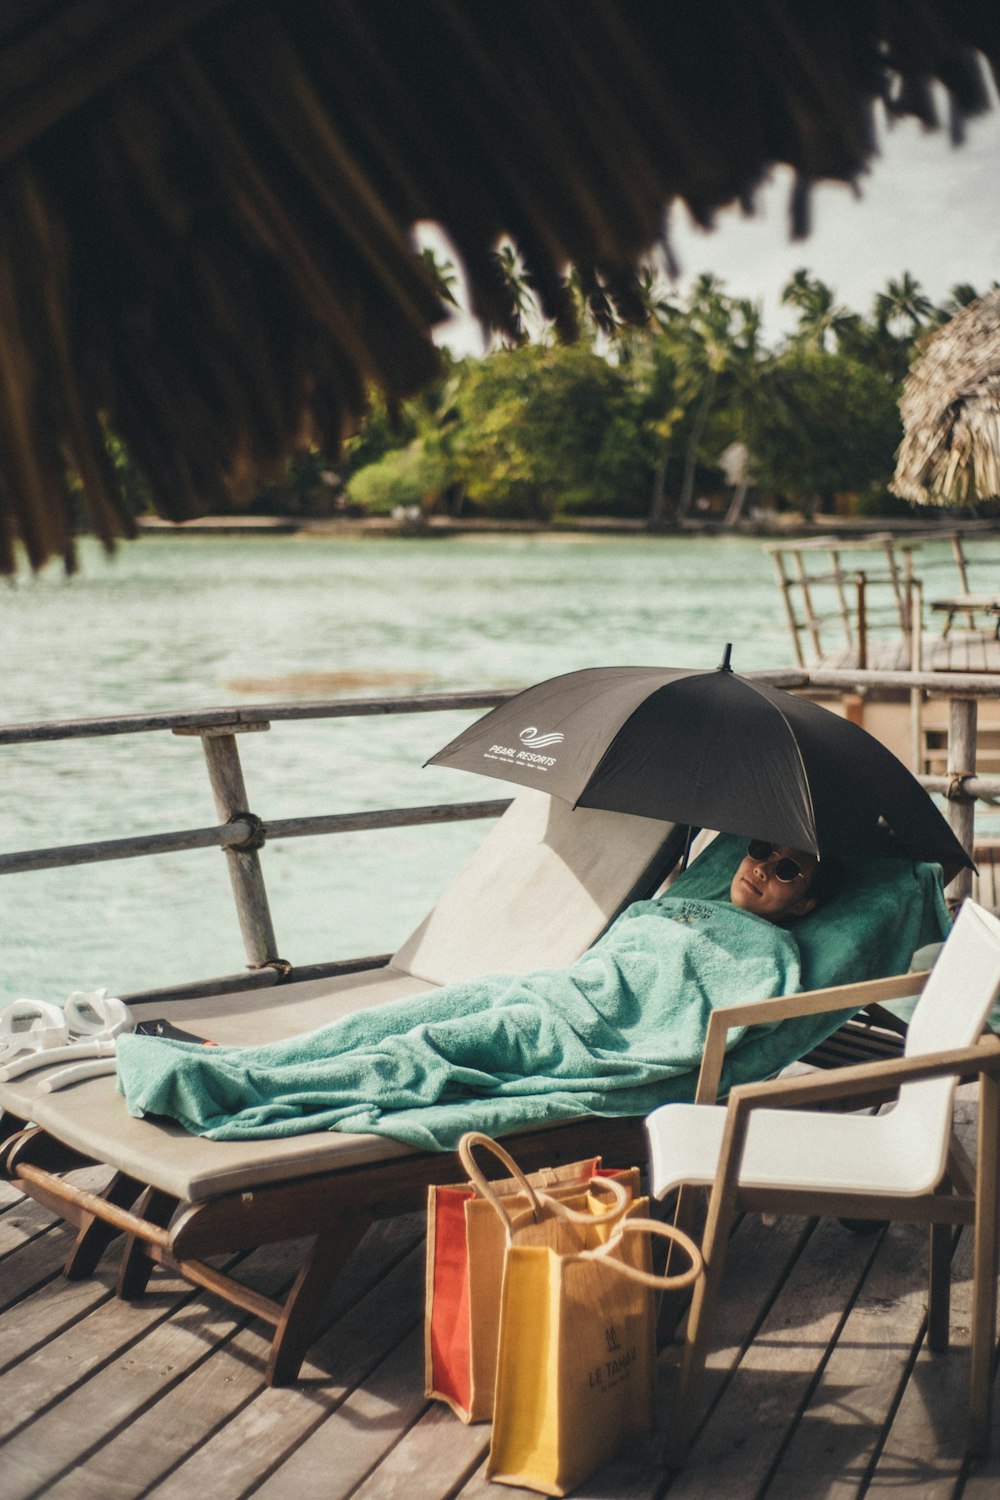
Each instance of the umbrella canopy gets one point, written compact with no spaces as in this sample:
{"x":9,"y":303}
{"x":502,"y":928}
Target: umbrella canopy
{"x":950,"y":453}
{"x":207,"y":207}
{"x":711,"y":749}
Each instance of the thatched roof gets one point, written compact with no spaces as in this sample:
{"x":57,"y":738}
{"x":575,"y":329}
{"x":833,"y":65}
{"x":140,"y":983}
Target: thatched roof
{"x":206,"y":205}
{"x":950,"y":454}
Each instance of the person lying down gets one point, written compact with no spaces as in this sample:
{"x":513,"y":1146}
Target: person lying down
{"x":618,"y":1032}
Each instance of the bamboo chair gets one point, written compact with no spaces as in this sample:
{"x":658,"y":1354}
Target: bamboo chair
{"x":902,"y":1164}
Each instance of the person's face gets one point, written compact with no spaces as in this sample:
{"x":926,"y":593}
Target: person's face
{"x":756,"y":888}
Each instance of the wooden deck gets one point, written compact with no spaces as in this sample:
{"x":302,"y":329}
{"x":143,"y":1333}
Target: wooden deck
{"x":964,"y":651}
{"x":818,"y":1381}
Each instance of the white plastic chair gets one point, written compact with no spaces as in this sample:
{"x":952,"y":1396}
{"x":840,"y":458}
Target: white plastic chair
{"x":886,"y":1166}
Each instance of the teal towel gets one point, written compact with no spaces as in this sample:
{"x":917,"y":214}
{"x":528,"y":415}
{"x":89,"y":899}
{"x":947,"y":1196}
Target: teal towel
{"x":883,"y":911}
{"x":618,"y":1033}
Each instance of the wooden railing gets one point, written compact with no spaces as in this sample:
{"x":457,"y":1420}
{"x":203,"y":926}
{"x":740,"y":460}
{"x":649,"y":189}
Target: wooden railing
{"x":857,"y":589}
{"x":241,"y":832}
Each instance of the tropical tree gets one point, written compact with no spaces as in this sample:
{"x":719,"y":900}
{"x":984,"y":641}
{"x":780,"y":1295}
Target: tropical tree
{"x":406,"y":456}
{"x":709,"y":354}
{"x":595,"y":308}
{"x":903,"y":308}
{"x":822,"y":321}
{"x":443,"y":273}
{"x":549,"y":429}
{"x":827,"y":424}
{"x":518,"y":294}
{"x":962,"y":294}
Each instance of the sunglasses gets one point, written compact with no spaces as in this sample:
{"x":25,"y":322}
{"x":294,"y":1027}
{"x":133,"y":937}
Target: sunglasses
{"x":786,"y":870}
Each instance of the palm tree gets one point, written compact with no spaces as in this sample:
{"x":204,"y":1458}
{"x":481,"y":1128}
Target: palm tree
{"x":962,"y":294}
{"x":595,"y":307}
{"x":443,"y":273}
{"x":721,"y":361}
{"x":899,"y":315}
{"x":705,"y":355}
{"x":518,"y":291}
{"x":902,"y":308}
{"x":822,"y":322}
{"x":658,"y":302}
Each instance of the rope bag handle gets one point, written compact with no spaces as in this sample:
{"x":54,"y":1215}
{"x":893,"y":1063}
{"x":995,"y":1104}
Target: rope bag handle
{"x":650,"y":1278}
{"x":539,"y":1200}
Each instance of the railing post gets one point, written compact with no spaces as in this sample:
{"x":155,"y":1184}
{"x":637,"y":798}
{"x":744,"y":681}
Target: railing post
{"x":908,"y":580}
{"x":961,"y":765}
{"x":229,"y":790}
{"x":861,"y":583}
{"x":916,"y":613}
{"x":812,"y":624}
{"x":785,"y":584}
{"x":842,"y":605}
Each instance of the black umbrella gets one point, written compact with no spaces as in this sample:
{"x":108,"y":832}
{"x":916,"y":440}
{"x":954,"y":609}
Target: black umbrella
{"x":711,"y":749}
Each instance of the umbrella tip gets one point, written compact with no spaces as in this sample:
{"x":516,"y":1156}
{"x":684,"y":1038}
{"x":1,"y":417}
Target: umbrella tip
{"x":724,"y":663}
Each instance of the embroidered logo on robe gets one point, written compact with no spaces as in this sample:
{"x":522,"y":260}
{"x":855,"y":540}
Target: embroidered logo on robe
{"x":691,"y":912}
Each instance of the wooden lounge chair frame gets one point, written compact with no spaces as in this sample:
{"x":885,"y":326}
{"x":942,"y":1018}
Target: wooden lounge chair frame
{"x":336,"y":1208}
{"x":568,"y":853}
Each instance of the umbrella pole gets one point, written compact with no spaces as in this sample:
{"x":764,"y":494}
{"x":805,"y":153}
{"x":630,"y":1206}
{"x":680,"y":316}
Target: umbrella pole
{"x":689,"y":840}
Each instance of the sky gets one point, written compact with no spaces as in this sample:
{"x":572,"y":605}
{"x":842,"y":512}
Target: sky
{"x":924,"y":206}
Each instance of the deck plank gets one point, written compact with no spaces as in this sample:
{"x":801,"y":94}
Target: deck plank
{"x":34,"y":1265}
{"x":47,"y":1396}
{"x":924,"y":1448}
{"x":52,"y":1309}
{"x":743,"y":1437}
{"x":355,"y":1437}
{"x":9,"y":1195}
{"x":182,"y":1355}
{"x":264,"y":1431}
{"x":953,"y":653}
{"x":73,"y":1430}
{"x":843,"y":1426}
{"x":21,"y":1224}
{"x":432,"y":1459}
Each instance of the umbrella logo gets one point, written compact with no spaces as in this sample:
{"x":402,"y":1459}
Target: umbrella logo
{"x":530,"y":736}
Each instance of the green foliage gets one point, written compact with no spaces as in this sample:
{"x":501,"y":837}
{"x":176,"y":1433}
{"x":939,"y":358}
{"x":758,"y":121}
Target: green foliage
{"x":382,"y":432}
{"x":547,"y":430}
{"x":633,"y":421}
{"x":828,"y":424}
{"x":415,"y":475}
{"x":133,"y":483}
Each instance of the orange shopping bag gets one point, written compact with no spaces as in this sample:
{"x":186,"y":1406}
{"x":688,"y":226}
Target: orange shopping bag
{"x":577,"y":1356}
{"x":467,"y":1227}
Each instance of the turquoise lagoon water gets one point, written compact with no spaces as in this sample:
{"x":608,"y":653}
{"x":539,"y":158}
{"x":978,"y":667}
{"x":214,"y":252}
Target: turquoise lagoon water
{"x":194,"y":622}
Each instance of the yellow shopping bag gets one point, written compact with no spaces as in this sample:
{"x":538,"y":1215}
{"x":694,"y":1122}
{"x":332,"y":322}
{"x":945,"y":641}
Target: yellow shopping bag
{"x":467,"y":1227}
{"x":576,"y":1362}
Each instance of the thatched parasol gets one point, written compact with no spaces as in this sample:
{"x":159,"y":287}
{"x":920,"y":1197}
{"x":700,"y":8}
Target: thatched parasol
{"x":950,"y":454}
{"x":206,"y":206}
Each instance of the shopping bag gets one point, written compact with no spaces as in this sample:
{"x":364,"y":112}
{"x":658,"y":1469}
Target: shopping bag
{"x":467,"y":1227}
{"x":577,"y":1355}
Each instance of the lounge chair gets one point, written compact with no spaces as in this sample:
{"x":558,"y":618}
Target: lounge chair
{"x":542,"y":887}
{"x":774,"y":1148}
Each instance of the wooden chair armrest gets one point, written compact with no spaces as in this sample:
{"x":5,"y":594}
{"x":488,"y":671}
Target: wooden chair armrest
{"x":984,"y":1057}
{"x":851,"y":997}
{"x":845,"y":1083}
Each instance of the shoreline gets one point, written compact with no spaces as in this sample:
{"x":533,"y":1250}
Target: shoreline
{"x":771,"y":525}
